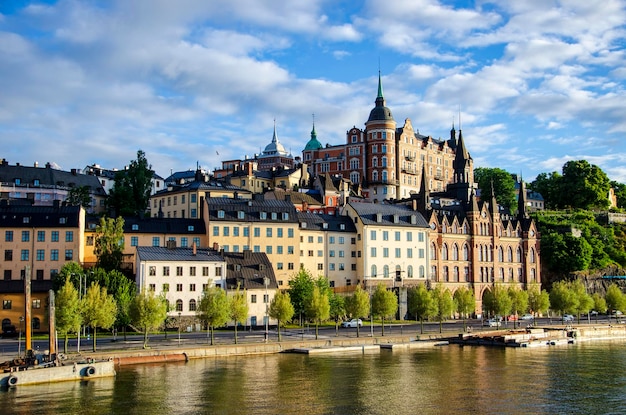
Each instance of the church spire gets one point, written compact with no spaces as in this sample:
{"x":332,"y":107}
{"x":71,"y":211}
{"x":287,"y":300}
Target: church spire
{"x":521,"y":201}
{"x":275,"y":137}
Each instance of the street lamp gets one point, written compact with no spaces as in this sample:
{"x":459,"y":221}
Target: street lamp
{"x":19,"y":339}
{"x":179,"y":329}
{"x":266,"y":282}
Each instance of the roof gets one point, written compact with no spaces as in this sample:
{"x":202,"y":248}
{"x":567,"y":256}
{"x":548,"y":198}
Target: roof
{"x":158,"y":253}
{"x":381,"y":214}
{"x":47,"y":176}
{"x":26,"y":216}
{"x":17,"y":286}
{"x":200,"y":186}
{"x":248,"y":270}
{"x":164,"y":225}
{"x":333,"y":223}
{"x":251,"y":209}
{"x":297,"y":198}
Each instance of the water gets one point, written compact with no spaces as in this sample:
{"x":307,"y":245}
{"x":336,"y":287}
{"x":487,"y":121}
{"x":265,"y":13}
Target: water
{"x":586,"y":378}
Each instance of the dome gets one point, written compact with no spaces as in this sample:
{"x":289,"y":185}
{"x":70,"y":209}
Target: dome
{"x":380,"y":112}
{"x":313,"y":143}
{"x":275,"y":147}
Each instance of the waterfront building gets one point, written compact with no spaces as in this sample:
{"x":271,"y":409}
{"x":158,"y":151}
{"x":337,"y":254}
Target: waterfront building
{"x":107,"y":177}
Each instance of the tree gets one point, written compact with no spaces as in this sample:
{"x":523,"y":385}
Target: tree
{"x":72,"y":270}
{"x":358,"y":305}
{"x":586,"y":184}
{"x":421,"y":304}
{"x":538,"y":300}
{"x":109,"y":243}
{"x":565,"y":253}
{"x":584,"y":302}
{"x":444,"y":303}
{"x":519,"y":301}
{"x":67,"y":313}
{"x":620,"y":193}
{"x":500,"y":181}
{"x":98,"y":309}
{"x":562,"y":298}
{"x":300,"y":291}
{"x":213,"y":309}
{"x":281,"y":309}
{"x":384,"y":304}
{"x":497,"y":301}
{"x":599,"y":304}
{"x":147,"y":311}
{"x":337,"y":309}
{"x":549,"y":186}
{"x":122,"y":289}
{"x":238,"y":308}
{"x":79,"y":196}
{"x":615,"y":299}
{"x":465,"y":303}
{"x":318,"y":308}
{"x":132,"y":188}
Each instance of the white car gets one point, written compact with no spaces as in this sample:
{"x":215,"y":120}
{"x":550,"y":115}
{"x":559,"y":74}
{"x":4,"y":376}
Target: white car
{"x":568,"y":317}
{"x":527,"y":317}
{"x":352,"y":323}
{"x":492,"y":322}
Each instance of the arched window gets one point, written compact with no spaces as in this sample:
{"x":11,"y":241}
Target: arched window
{"x":533,"y":277}
{"x":502,"y":274}
{"x":386,"y":271}
{"x":192,"y":305}
{"x":354,"y":164}
{"x":374,"y":161}
{"x":6,"y":322}
{"x":480,"y":252}
{"x":179,"y":305}
{"x":455,"y":274}
{"x":465,"y":252}
{"x":532,"y":255}
{"x":446,"y":277}
{"x":384,"y":176}
{"x":510,"y":254}
{"x":373,"y":271}
{"x":444,"y":252}
{"x":500,"y":254}
{"x":409,"y":271}
{"x":455,"y":252}
{"x":421,"y":272}
{"x":384,"y":161}
{"x":433,"y":273}
{"x":433,"y":251}
{"x":519,"y":254}
{"x":375,"y":176}
{"x":511,"y":274}
{"x":354,"y":177}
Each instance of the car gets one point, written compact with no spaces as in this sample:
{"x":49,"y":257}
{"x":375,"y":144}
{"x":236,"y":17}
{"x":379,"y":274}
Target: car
{"x":512,"y":317}
{"x":527,"y":317}
{"x":492,"y":322}
{"x":568,"y":317}
{"x":352,"y":323}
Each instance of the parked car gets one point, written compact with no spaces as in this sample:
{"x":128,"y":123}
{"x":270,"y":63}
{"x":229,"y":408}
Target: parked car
{"x":568,"y":317}
{"x":527,"y":317}
{"x":352,"y":323}
{"x":492,"y":322}
{"x":512,"y":317}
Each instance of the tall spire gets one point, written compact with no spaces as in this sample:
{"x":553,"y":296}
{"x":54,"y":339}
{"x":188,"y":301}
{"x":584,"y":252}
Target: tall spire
{"x":313,"y":133}
{"x":380,"y":86}
{"x":275,"y":137}
{"x":521,"y":200}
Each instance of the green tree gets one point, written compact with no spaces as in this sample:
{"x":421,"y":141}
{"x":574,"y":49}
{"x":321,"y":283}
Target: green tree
{"x":98,"y":309}
{"x":122,"y":288}
{"x":465,"y":302}
{"x":538,"y":300}
{"x":79,"y":196}
{"x":318,"y":308}
{"x":620,"y":193}
{"x":584,"y":302}
{"x":384,"y":304}
{"x":586,"y":184}
{"x":300,"y":291}
{"x":500,"y":181}
{"x":497,"y":301}
{"x":562,"y":298}
{"x":109,"y":243}
{"x":281,"y":309}
{"x":615,"y":299}
{"x":421,"y":304}
{"x":519,"y":301}
{"x":444,"y":303}
{"x":213,"y":309}
{"x":358,"y":305}
{"x":238,"y":308}
{"x":337,"y":309}
{"x":132,"y":188}
{"x":147,"y":311}
{"x":72,"y":270}
{"x":549,"y":186}
{"x":565,"y":253}
{"x":67,"y":313}
{"x":599,"y":304}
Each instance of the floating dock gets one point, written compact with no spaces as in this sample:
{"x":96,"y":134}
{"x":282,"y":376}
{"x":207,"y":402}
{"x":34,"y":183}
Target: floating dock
{"x":33,"y":375}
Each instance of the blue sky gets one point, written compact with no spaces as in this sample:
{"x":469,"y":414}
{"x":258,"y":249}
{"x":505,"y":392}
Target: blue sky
{"x":536,"y":83}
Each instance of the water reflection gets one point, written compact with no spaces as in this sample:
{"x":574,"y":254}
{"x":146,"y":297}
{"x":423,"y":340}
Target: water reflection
{"x":579,"y":379}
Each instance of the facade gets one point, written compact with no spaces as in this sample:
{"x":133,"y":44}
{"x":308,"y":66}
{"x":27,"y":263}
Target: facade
{"x":107,"y":178}
{"x":259,"y":225}
{"x":180,"y":274}
{"x":14,"y":309}
{"x":45,"y":186}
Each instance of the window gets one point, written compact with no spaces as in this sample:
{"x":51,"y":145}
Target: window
{"x":253,"y":298}
{"x":397,"y":235}
{"x":409,"y":252}
{"x":385,"y":235}
{"x":7,"y":304}
{"x":226,"y":231}
{"x":268,"y":249}
{"x":134,"y":241}
{"x":385,"y":252}
{"x":268,"y":232}
{"x":236,"y":231}
{"x":179,"y":288}
{"x":331,"y":239}
{"x":290,"y":233}
{"x":69,"y":236}
{"x":205,"y":271}
{"x":179,"y":305}
{"x":218,"y":271}
{"x":373,"y":235}
{"x":152,"y":287}
{"x":54,"y":236}
{"x":192,"y":304}
{"x":290,"y":266}
{"x":36,"y":303}
{"x":192,"y":271}
{"x":373,"y":252}
{"x":69,"y":254}
{"x":24,"y":255}
{"x":41,"y":255}
{"x":156,"y":241}
{"x":196,"y":241}
{"x":8,"y":236}
{"x":166,"y":288}
{"x":216,"y":231}
{"x":279,"y":265}
{"x":179,"y":271}
{"x":54,"y":255}
{"x":8,"y":255}
{"x":166,"y":271}
{"x":152,"y":271}
{"x":25,"y":236}
{"x":257,"y":232}
{"x":7,"y":274}
{"x":41,"y":236}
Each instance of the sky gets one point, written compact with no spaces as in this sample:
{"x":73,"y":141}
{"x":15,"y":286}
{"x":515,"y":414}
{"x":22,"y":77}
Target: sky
{"x":532,"y":84}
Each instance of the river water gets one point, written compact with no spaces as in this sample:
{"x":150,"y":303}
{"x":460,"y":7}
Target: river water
{"x":585,"y":378}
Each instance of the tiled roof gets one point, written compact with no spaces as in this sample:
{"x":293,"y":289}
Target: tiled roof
{"x":316,"y":222}
{"x":164,"y":225}
{"x":389,"y":215}
{"x":47,"y":176}
{"x":26,"y":216}
{"x":158,"y":253}
{"x":251,"y":209}
{"x":248,"y":269}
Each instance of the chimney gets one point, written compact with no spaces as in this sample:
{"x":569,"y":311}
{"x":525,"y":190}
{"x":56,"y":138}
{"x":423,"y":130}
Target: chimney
{"x":194,"y":249}
{"x":413,"y":203}
{"x":216,"y":246}
{"x":36,"y":164}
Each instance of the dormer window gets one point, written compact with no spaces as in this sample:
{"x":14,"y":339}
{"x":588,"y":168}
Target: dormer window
{"x":263,"y":215}
{"x":18,"y":181}
{"x":303,"y":225}
{"x":342,"y":226}
{"x":190,"y":228}
{"x":36,"y":182}
{"x":285,"y":216}
{"x":379,"y":217}
{"x":240,"y":214}
{"x":220,"y":214}
{"x":396,"y":219}
{"x":62,"y":221}
{"x":325,"y":225}
{"x":135,"y":227}
{"x":274,"y":216}
{"x":25,"y":219}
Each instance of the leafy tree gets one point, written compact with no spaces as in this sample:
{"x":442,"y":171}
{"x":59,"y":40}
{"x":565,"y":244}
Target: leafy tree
{"x":79,"y":196}
{"x":615,"y":299}
{"x":620,"y":193}
{"x":497,"y":301}
{"x":599,"y":304}
{"x":109,"y":243}
{"x":538,"y":300}
{"x":281,"y":309}
{"x":72,"y":270}
{"x":444,"y":303}
{"x":122,"y":289}
{"x":519,"y":301}
{"x":465,"y":303}
{"x":147,"y":311}
{"x":421,"y":304}
{"x":337,"y":309}
{"x":563,"y":298}
{"x":384,"y":304}
{"x":67,"y":313}
{"x":584,"y":302}
{"x":318,"y":308}
{"x":300,"y":291}
{"x":98,"y":309}
{"x":214,"y":309}
{"x":586,"y":184}
{"x":132,"y":188}
{"x":500,"y":181}
{"x":549,"y":185}
{"x":358,"y":305}
{"x":238,"y":308}
{"x":565,"y":253}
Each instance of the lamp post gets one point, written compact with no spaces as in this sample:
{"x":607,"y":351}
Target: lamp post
{"x":19,"y":339}
{"x":266,"y":282}
{"x":179,"y":329}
